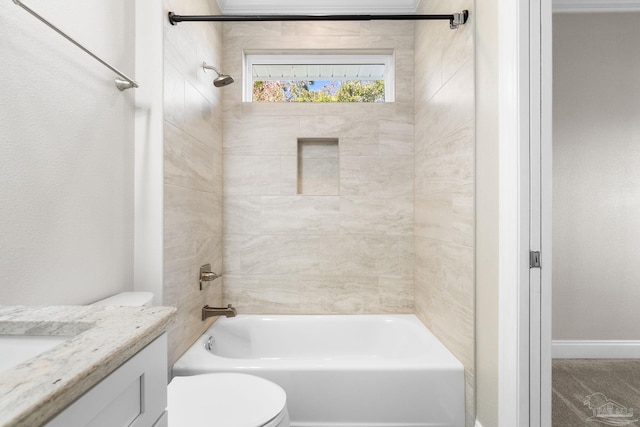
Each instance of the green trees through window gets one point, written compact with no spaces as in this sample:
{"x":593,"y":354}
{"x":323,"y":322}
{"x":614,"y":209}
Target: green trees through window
{"x":318,"y":91}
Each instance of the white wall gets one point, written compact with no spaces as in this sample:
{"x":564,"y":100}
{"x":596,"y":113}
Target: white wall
{"x":486,"y":304}
{"x":66,"y":156}
{"x":149,"y":149}
{"x":596,"y":273}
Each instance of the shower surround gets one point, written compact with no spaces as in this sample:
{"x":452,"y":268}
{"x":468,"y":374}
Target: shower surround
{"x":192,"y":172}
{"x":343,"y":251}
{"x":445,"y":185}
{"x":398,"y":237}
{"x":395,"y":235}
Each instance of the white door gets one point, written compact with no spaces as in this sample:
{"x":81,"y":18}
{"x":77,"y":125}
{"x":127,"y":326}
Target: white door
{"x":540,"y":173}
{"x":540,"y":157}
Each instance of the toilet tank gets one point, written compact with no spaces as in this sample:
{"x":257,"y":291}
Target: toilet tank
{"x":127,"y":299}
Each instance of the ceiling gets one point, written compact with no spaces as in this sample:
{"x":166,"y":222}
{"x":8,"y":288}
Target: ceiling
{"x":308,"y":7}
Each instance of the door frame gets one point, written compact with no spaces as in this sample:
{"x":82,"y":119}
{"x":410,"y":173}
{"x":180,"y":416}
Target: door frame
{"x":525,"y":151}
{"x":525,"y":77}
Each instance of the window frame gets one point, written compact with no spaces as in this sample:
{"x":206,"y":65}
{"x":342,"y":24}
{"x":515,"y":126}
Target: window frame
{"x":320,"y":57}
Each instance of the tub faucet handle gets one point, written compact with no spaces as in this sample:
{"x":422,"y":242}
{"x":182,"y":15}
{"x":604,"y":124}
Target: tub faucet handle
{"x":207,"y":275}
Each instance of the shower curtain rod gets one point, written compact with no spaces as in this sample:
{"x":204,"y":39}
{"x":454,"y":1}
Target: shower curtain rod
{"x":455,"y":19}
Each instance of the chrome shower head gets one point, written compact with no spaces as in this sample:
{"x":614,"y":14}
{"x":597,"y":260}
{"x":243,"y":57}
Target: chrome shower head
{"x":222,"y":79}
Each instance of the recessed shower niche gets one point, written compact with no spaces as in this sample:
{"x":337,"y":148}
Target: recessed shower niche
{"x":318,"y":167}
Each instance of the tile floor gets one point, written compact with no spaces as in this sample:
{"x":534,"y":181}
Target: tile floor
{"x":614,"y":387}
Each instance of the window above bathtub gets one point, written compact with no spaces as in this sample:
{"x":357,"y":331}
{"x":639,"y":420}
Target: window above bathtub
{"x":332,"y":76}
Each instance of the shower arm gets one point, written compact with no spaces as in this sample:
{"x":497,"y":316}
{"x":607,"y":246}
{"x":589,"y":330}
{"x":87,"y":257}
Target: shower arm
{"x":123,"y":83}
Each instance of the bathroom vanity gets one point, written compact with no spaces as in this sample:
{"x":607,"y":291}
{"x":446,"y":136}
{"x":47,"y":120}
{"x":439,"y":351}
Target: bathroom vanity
{"x":98,"y":366}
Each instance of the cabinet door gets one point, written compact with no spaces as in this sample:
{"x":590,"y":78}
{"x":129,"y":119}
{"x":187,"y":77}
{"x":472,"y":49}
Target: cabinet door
{"x":134,"y":395}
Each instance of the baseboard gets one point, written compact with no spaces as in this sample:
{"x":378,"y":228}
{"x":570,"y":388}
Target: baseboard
{"x":564,"y":349}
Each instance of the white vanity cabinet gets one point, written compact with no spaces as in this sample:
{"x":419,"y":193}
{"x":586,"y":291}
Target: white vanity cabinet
{"x":133,"y":395}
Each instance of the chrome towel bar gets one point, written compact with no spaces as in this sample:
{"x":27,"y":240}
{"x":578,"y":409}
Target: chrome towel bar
{"x":121,"y":83}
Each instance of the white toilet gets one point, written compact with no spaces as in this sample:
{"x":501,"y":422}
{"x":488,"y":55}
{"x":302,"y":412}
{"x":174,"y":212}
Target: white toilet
{"x":216,"y":400}
{"x":226,"y":400}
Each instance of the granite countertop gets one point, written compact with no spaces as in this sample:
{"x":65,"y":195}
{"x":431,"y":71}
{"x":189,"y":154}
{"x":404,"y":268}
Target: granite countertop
{"x":34,"y":391}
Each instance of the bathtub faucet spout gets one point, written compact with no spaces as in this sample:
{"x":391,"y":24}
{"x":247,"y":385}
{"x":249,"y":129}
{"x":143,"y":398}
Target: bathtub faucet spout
{"x":228,"y":311}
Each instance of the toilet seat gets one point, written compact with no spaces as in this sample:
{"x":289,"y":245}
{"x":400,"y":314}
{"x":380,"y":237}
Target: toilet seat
{"x":226,"y":399}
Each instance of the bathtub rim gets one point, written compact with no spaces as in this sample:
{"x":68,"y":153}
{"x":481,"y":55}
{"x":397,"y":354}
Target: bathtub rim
{"x":198,"y":360}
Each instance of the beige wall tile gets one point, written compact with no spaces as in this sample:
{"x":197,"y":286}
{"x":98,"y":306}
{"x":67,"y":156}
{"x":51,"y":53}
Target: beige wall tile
{"x":319,"y":294}
{"x":338,"y":126}
{"x":261,"y":136}
{"x":190,"y":215}
{"x":448,"y":162}
{"x":187,"y":162}
{"x":262,"y":294}
{"x":407,"y":255}
{"x":258,"y":175}
{"x":458,"y":48}
{"x":289,"y":175}
{"x":451,"y":107}
{"x":376,"y":176}
{"x":444,"y":185}
{"x":378,"y":42}
{"x":318,"y":148}
{"x":446,"y":215}
{"x":318,"y":177}
{"x":428,"y":60}
{"x":299,"y":215}
{"x":339,"y":295}
{"x":284,"y":254}
{"x":448,"y":268}
{"x":192,"y":174}
{"x":232,"y":245}
{"x":364,"y":255}
{"x":318,"y":170}
{"x":181,"y":290}
{"x":242,"y":29}
{"x":376,"y":215}
{"x":388,"y":28}
{"x":200,"y":118}
{"x":349,"y":176}
{"x":322,"y":28}
{"x":395,"y":294}
{"x":180,"y":49}
{"x":354,"y":216}
{"x":359,"y":145}
{"x":396,"y":138}
{"x":241,"y":214}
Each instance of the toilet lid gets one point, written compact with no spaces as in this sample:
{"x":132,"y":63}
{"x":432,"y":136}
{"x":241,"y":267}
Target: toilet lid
{"x":225,"y":400}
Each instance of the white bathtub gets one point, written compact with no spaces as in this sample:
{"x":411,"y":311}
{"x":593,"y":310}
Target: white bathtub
{"x":340,"y":371}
